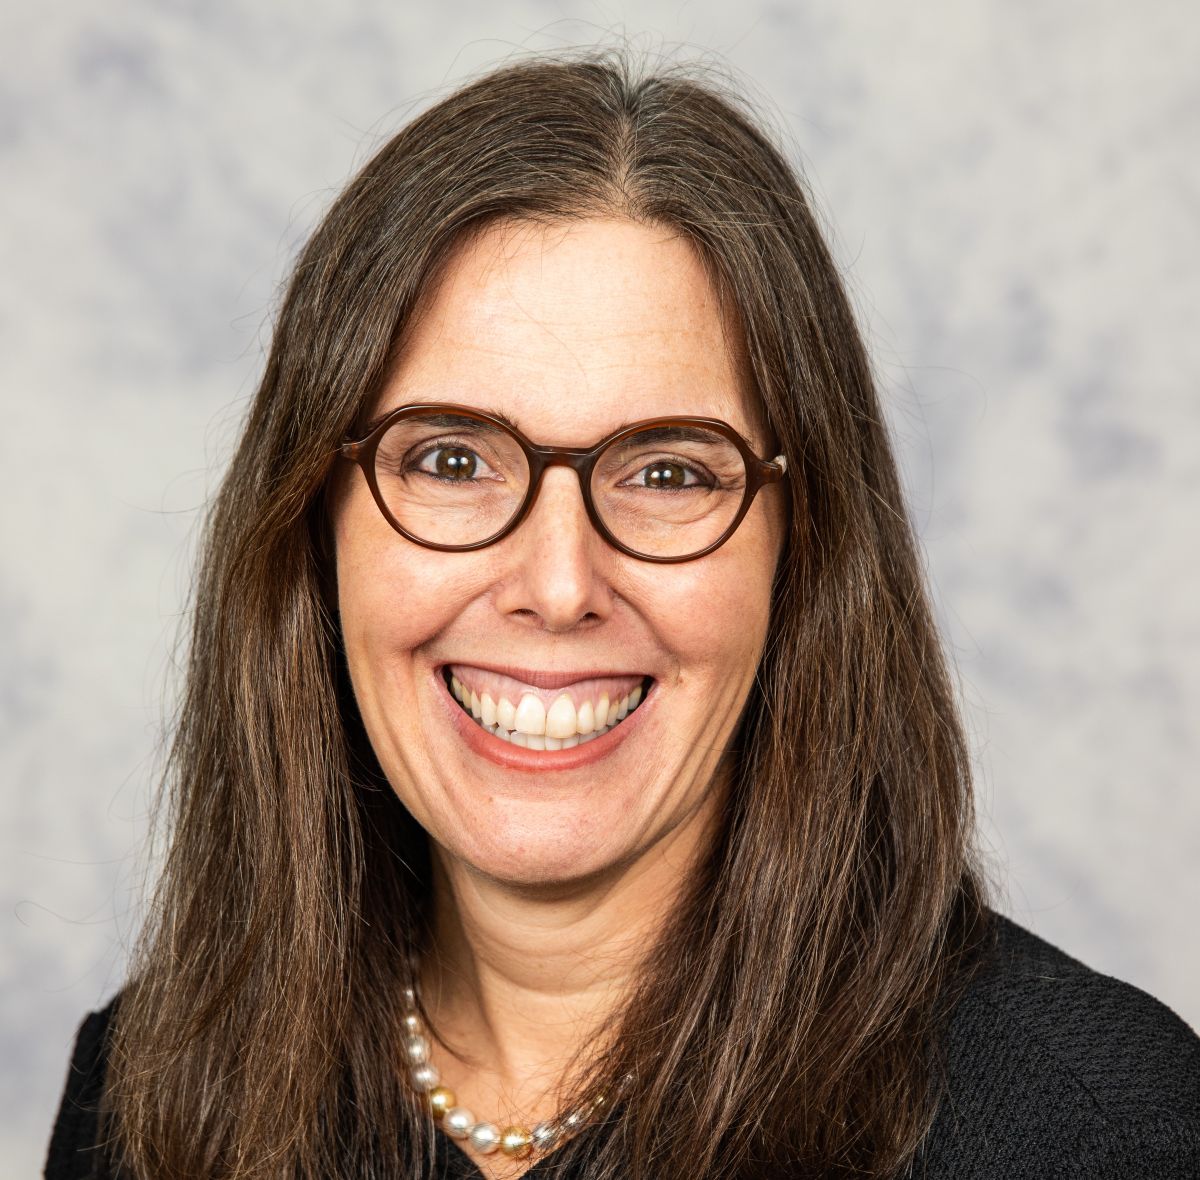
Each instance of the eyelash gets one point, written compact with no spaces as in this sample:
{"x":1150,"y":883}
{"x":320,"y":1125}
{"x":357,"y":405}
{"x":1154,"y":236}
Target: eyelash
{"x":426,"y":450}
{"x":702,"y":477}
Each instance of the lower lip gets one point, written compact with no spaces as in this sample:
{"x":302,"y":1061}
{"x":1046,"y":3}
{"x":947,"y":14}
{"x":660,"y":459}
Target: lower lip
{"x":505,"y":754}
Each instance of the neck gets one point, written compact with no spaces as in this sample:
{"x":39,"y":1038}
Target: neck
{"x":524,"y":977}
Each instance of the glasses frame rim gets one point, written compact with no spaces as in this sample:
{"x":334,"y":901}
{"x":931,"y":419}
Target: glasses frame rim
{"x":582,"y":460}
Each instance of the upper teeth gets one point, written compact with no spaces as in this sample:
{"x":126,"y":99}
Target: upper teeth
{"x":561,"y":723}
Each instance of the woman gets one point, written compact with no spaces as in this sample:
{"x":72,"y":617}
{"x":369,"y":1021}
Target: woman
{"x":568,"y":778}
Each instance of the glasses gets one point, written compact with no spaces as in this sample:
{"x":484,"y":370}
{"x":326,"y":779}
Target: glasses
{"x":457,"y":479}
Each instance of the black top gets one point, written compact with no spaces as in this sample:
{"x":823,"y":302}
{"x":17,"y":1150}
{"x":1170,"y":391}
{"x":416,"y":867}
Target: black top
{"x":1054,"y":1071}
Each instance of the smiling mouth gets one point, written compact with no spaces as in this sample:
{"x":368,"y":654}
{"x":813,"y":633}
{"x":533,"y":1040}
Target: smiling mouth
{"x":539,"y":720}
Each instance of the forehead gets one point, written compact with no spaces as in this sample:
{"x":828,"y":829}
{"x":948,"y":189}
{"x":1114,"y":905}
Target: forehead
{"x":573,"y":329}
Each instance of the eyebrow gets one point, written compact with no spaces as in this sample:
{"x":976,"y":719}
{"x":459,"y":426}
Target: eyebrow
{"x":666,"y":434}
{"x":445,"y":421}
{"x":451,"y":419}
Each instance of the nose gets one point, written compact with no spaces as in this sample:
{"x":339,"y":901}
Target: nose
{"x":554,"y":561}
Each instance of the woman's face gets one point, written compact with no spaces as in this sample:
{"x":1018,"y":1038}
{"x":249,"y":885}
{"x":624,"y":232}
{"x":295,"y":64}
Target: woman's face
{"x":570,"y":331}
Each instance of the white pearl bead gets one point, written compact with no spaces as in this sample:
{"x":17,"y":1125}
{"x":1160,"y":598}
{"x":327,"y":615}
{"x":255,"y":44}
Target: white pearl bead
{"x":458,"y":1121}
{"x":426,"y":1076}
{"x":412,"y":1022}
{"x":485,"y":1137}
{"x":545,"y":1135}
{"x":417,"y":1048}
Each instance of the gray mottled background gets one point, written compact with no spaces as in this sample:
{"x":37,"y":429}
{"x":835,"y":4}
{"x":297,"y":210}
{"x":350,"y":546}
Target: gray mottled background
{"x":1013,"y":188}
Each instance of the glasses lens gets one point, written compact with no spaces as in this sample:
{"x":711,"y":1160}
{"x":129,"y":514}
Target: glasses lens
{"x":449,"y":479}
{"x":669,"y":491}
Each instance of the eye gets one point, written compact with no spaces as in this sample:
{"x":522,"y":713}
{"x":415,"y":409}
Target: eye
{"x":670,"y":473}
{"x":452,"y":463}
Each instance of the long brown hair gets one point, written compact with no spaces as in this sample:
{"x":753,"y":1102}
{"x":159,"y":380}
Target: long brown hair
{"x":787,"y":1022}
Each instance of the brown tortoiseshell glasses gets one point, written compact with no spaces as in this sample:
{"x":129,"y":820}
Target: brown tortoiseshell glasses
{"x":667,"y":489}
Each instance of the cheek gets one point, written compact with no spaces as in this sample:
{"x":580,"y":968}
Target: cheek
{"x":712,"y":615}
{"x":390,"y":596}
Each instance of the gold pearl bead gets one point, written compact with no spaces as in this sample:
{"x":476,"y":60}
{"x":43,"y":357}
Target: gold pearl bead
{"x":516,"y":1142}
{"x":441,"y":1099}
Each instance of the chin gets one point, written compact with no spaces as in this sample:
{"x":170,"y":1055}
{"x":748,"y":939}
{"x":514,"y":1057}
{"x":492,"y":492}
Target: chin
{"x":573,"y":845}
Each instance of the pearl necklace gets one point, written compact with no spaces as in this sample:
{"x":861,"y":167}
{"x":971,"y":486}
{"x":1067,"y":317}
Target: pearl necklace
{"x":514,"y":1140}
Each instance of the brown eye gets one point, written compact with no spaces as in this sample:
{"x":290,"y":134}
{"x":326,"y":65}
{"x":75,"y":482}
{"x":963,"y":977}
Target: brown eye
{"x":455,"y":463}
{"x":666,"y":475}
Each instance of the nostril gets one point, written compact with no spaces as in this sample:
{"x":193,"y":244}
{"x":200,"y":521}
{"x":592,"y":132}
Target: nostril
{"x":542,"y":620}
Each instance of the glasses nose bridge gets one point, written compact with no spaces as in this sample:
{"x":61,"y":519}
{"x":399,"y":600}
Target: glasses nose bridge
{"x":581,"y":460}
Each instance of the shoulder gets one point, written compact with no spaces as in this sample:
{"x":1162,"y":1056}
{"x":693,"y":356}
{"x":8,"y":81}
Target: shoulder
{"x":73,"y":1142}
{"x":1052,"y":1069}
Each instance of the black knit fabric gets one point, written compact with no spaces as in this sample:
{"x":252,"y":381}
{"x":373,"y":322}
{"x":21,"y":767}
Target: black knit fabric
{"x":1058,"y":1071}
{"x":1053,"y":1071}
